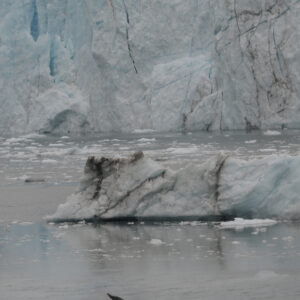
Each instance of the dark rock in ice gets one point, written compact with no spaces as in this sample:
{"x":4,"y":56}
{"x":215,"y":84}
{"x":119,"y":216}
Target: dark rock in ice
{"x":32,"y":180}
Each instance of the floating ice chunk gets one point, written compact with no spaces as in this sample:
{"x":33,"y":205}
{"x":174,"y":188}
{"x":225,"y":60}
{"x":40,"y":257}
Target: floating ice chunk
{"x":183,"y":150}
{"x":241,"y":223}
{"x":143,"y":131}
{"x":147,"y":140}
{"x":32,"y":136}
{"x":272,"y":132}
{"x":49,"y":161}
{"x":250,"y":142}
{"x":13,"y":141}
{"x":64,"y":226}
{"x":236,"y":242}
{"x":96,"y":250}
{"x":59,"y":235}
{"x":156,"y":242}
{"x":191,"y":223}
{"x":61,"y":152}
{"x":268,"y":150}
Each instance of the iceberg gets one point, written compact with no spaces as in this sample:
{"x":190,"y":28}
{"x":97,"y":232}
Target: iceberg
{"x":127,"y":65}
{"x":240,"y":223}
{"x":220,"y":188}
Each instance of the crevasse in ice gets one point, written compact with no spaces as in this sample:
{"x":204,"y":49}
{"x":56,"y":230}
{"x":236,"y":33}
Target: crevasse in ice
{"x":122,"y":65}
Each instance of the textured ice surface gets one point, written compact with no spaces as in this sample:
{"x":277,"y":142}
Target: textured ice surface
{"x":220,"y":186}
{"x":59,"y":161}
{"x":240,"y":223}
{"x":124,"y":65}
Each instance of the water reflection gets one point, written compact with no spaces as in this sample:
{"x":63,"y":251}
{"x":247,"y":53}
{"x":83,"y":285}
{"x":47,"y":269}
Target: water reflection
{"x":161,"y":261}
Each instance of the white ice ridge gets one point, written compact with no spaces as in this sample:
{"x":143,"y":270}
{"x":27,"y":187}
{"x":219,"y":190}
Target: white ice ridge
{"x":124,"y":65}
{"x":222,"y":186}
{"x":242,"y":223}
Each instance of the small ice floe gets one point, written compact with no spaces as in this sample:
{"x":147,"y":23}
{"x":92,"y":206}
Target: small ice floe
{"x":24,"y":138}
{"x":156,"y":242}
{"x":271,"y":132}
{"x":268,"y":150}
{"x":250,"y":142}
{"x":32,"y":136}
{"x":56,"y":145}
{"x":191,"y":223}
{"x":59,"y":235}
{"x":96,"y":250}
{"x":13,"y":141}
{"x":236,"y":242}
{"x":64,"y":226}
{"x":143,"y":131}
{"x":49,"y":161}
{"x":44,"y":241}
{"x":25,"y":223}
{"x":242,"y":223}
{"x":146,"y":140}
{"x":183,"y":150}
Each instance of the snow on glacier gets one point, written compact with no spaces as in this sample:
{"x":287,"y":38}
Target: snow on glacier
{"x":127,"y":65}
{"x":220,"y":186}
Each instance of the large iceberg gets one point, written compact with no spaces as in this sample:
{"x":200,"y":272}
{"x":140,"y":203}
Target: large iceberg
{"x":122,"y":65}
{"x":222,"y":187}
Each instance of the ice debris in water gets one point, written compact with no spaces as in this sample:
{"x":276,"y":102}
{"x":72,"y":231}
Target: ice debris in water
{"x":272,"y":132}
{"x":156,"y":242}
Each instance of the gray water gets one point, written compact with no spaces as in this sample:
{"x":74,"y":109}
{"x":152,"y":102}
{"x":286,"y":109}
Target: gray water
{"x":135,"y":261}
{"x":41,"y":261}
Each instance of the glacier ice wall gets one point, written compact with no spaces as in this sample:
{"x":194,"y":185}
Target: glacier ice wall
{"x":220,"y":187}
{"x":120,"y":65}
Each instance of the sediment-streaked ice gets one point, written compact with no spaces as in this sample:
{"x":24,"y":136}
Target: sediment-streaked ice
{"x":220,"y":186}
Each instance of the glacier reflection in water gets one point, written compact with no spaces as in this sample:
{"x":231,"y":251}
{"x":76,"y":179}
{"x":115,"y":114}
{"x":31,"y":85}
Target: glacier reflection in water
{"x":149,"y":261}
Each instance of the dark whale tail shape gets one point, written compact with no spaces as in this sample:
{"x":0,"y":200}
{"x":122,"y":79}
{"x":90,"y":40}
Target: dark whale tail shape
{"x":114,"y":297}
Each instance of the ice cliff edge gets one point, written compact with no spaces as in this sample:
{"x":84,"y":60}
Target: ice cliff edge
{"x":121,"y":65}
{"x":139,"y":187}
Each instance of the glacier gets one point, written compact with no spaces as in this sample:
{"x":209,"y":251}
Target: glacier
{"x":222,"y":187}
{"x":125,"y":65}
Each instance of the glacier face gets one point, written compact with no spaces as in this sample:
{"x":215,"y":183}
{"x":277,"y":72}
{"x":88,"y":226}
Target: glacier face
{"x":121,"y":65}
{"x":220,"y":187}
